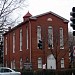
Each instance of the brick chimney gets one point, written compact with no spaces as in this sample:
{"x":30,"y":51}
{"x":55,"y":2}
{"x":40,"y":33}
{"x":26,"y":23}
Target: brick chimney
{"x":26,"y":17}
{"x":9,"y":28}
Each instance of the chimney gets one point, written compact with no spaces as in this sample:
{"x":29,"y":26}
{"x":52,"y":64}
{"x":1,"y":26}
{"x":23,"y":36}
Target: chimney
{"x":9,"y":28}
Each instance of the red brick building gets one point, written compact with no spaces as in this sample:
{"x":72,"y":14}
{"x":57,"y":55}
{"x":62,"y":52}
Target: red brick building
{"x":21,"y":42}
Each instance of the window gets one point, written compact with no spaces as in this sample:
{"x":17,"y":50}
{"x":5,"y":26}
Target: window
{"x":7,"y":70}
{"x":38,"y":33}
{"x":39,"y":62}
{"x":61,"y":38}
{"x":50,"y":37}
{"x":13,"y":42}
{"x":27,"y":36}
{"x":20,"y":39}
{"x":6,"y":46}
{"x":13,"y":64}
{"x":62,"y":63}
{"x":6,"y":63}
{"x":20,"y":63}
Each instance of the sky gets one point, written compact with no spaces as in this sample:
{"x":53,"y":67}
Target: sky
{"x":60,"y":7}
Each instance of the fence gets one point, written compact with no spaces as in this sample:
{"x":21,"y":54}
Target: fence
{"x":50,"y":72}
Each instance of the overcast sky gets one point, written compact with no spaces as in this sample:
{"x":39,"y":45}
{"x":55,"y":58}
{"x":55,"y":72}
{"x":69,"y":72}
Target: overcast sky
{"x":60,"y":7}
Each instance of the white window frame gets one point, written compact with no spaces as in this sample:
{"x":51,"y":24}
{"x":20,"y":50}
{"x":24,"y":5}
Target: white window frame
{"x":62,"y":63}
{"x":39,"y":62}
{"x":50,"y":37}
{"x":5,"y":45}
{"x":14,"y":42}
{"x":27,"y":37}
{"x":38,"y":33}
{"x":61,"y":38}
{"x":20,"y":39}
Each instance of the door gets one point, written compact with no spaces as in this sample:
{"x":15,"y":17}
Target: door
{"x":51,"y":62}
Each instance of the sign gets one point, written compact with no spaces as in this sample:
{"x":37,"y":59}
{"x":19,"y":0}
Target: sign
{"x":28,"y":66}
{"x":73,"y":50}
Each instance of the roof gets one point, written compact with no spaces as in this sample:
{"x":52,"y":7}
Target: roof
{"x":27,"y":15}
{"x":50,"y":12}
{"x":15,"y":27}
{"x":35,"y":17}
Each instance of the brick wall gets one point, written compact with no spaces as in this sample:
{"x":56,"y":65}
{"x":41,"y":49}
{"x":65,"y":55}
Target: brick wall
{"x":42,"y":21}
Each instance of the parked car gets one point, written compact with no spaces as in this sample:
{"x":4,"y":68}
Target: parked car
{"x":8,"y":71}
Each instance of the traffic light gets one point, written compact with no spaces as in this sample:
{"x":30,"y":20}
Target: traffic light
{"x":73,"y":20}
{"x":40,"y":44}
{"x":1,"y":45}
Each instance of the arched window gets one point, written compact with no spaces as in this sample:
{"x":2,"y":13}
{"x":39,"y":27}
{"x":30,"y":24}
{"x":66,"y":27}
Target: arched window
{"x":6,"y":46}
{"x":14,"y":42}
{"x":20,"y":39}
{"x":27,"y":37}
{"x":61,"y":38}
{"x":38,"y":33}
{"x":50,"y":37}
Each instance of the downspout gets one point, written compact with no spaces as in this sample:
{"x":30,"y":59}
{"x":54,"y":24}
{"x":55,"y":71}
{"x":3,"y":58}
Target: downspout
{"x":30,"y":39}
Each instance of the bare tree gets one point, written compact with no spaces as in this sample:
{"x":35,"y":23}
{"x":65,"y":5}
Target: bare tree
{"x":71,"y":44}
{"x":7,"y":7}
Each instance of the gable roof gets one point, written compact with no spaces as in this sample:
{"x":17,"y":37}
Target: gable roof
{"x":50,"y":12}
{"x":35,"y":17}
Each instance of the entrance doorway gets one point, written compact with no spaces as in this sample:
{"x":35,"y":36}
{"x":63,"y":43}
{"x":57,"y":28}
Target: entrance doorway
{"x":51,"y":62}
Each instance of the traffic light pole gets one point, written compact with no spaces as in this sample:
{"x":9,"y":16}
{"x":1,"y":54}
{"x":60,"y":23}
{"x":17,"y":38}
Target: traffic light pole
{"x":72,"y":19}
